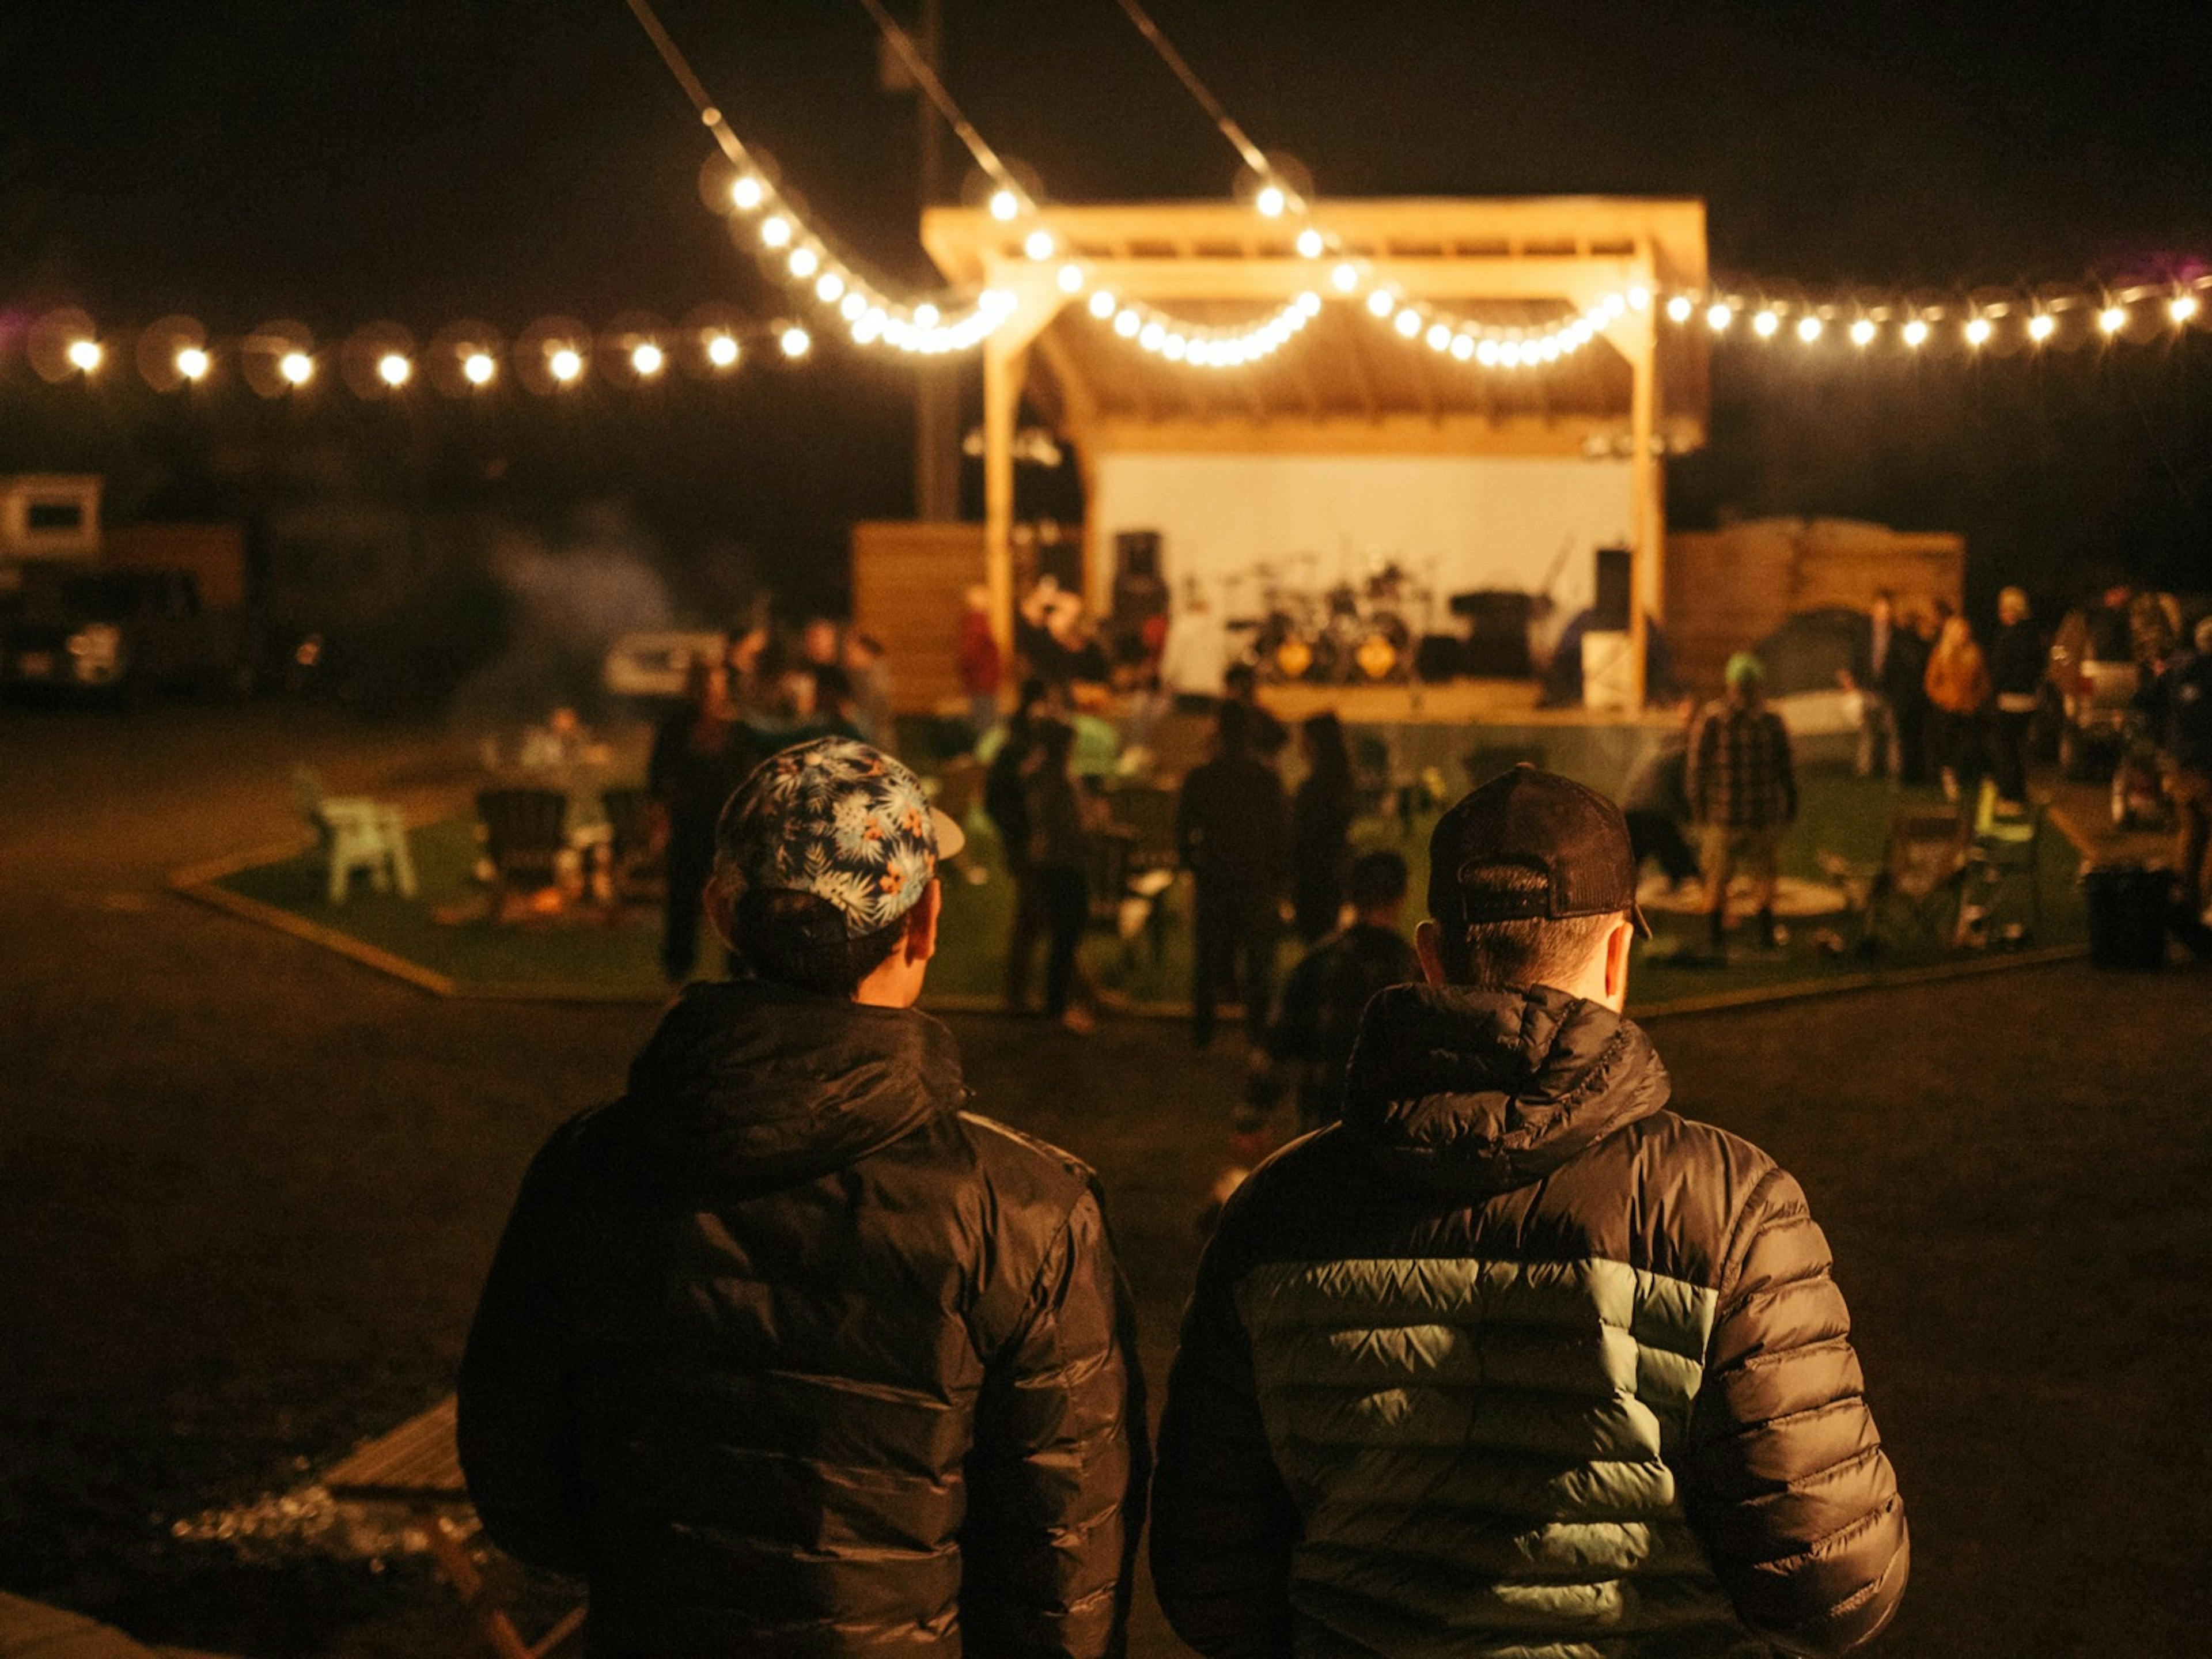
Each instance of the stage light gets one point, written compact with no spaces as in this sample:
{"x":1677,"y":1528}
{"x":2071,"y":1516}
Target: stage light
{"x":1070,"y":279}
{"x":1915,"y":333}
{"x":746,"y":193}
{"x":722,"y":351}
{"x":2181,"y":307}
{"x":2113,"y":320}
{"x":795,"y":341}
{"x":829,"y":287}
{"x":393,"y":369}
{"x":192,"y":362}
{"x":297,"y":366}
{"x":804,"y":261}
{"x":1309,"y":243}
{"x":1863,"y":332}
{"x":1765,"y":324}
{"x":1004,"y":205}
{"x":1719,"y":316}
{"x":647,"y":358}
{"x":775,"y":230}
{"x":567,"y":364}
{"x":1678,"y":308}
{"x":1808,"y":329}
{"x":1271,"y":202}
{"x":1345,"y":278}
{"x":2042,"y":325}
{"x":478,"y":367}
{"x":1978,"y":331}
{"x":84,"y":355}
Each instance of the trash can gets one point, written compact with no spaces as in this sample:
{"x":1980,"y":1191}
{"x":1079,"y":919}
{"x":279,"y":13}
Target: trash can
{"x":2128,"y":905}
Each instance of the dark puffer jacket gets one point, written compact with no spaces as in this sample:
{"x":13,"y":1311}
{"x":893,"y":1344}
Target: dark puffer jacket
{"x":1514,"y":1361}
{"x":786,"y":1354}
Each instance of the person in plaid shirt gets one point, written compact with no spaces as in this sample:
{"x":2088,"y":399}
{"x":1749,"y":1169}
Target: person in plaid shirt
{"x":1743,"y":792}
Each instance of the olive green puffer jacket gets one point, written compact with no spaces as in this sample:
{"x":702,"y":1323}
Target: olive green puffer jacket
{"x":1514,"y":1362}
{"x":789,"y":1355}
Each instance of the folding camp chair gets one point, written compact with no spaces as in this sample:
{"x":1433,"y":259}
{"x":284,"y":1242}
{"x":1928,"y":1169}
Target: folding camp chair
{"x":2000,"y":899}
{"x":525,"y":833}
{"x":1917,"y":882}
{"x":1146,"y":814}
{"x":415,"y":1468}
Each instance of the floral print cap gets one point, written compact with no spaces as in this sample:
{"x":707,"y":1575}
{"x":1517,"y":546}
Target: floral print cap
{"x":842,"y":821}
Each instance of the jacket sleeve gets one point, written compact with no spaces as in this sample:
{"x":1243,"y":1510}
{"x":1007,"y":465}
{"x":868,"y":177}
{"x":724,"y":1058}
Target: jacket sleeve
{"x":1223,"y":1526}
{"x":516,"y":1428}
{"x":1785,"y":1478}
{"x":1056,"y":1480}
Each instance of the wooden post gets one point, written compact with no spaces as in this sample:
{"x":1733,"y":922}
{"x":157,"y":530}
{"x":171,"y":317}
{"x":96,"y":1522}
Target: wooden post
{"x":1644,"y":482}
{"x":1002,"y":381}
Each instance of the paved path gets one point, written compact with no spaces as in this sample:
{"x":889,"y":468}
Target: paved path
{"x":250,"y":1187}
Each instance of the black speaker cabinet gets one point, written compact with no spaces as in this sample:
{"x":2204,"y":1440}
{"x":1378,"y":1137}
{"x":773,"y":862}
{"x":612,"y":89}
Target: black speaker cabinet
{"x":1497,"y":644}
{"x":1609,"y":610}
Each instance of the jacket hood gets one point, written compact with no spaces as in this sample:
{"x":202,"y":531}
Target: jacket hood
{"x":763,"y":1086}
{"x":1485,"y":1091}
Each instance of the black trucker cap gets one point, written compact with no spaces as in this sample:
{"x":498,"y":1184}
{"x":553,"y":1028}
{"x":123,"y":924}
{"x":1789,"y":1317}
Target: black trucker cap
{"x":1573,"y":836}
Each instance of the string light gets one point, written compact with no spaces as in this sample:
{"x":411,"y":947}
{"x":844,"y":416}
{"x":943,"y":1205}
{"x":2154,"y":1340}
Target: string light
{"x":1309,"y":243}
{"x":1678,"y":308}
{"x":192,"y":362}
{"x":1862,"y":333}
{"x":1407,"y":322}
{"x":829,"y":287}
{"x":1381,"y":303}
{"x":1914,"y":333}
{"x":804,"y":261}
{"x":296,"y":367}
{"x":1038,"y":244}
{"x":2042,"y":325}
{"x":1978,"y":330}
{"x":1101,"y":304}
{"x":1719,"y":316}
{"x":722,"y":351}
{"x":477,"y":369}
{"x":746,"y":193}
{"x":1809,"y":328}
{"x":1345,"y":278}
{"x":775,"y":230}
{"x":84,"y":355}
{"x":2112,"y":319}
{"x":1271,"y":201}
{"x":646,"y":359}
{"x":1215,"y":348}
{"x":1003,"y":206}
{"x":393,"y":369}
{"x":1070,"y":279}
{"x":566,"y":364}
{"x":2181,"y":307}
{"x":1126,"y":323}
{"x":1765,"y":324}
{"x":795,"y":341}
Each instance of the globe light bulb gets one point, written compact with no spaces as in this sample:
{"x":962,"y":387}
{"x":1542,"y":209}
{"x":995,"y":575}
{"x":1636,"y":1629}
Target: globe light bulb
{"x":1863,"y":332}
{"x":804,"y":262}
{"x":2042,"y":325}
{"x":1345,"y":278}
{"x":1004,"y":205}
{"x":477,"y":369}
{"x":1271,"y":202}
{"x":1438,"y":336}
{"x":566,"y":364}
{"x":647,"y":358}
{"x":1381,"y":303}
{"x":1915,"y":333}
{"x":1070,"y":279}
{"x":722,"y":351}
{"x":192,"y":363}
{"x":1102,"y":305}
{"x":1309,"y":243}
{"x":1639,"y":296}
{"x":1462,"y":347}
{"x":1038,"y":244}
{"x":853,"y":307}
{"x":2181,"y":307}
{"x":84,"y":355}
{"x":1678,"y":308}
{"x":1407,"y":322}
{"x":829,"y":287}
{"x":1979,"y":331}
{"x":775,"y":230}
{"x":795,"y":342}
{"x":1126,"y":323}
{"x":747,"y":193}
{"x":2113,"y":320}
{"x":1808,"y":329}
{"x":925,"y":315}
{"x":1766,"y":325}
{"x":1719,"y":316}
{"x":393,"y":369}
{"x":297,"y":366}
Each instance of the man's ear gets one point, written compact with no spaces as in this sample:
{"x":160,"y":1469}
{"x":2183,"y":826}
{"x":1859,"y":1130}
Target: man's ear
{"x":1428,"y":945}
{"x":921,"y":924}
{"x":720,"y":904}
{"x":1618,"y":944}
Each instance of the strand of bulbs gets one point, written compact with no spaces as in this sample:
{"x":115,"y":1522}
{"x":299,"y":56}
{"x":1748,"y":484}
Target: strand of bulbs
{"x":2110,"y":314}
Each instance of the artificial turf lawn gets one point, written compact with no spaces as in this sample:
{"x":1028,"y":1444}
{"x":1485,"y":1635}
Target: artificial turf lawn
{"x":585,"y":953}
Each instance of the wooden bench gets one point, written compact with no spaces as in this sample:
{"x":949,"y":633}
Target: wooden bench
{"x":417,"y":1467}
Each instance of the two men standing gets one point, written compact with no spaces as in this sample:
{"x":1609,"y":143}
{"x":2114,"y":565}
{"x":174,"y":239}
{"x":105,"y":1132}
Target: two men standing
{"x":787,"y":1353}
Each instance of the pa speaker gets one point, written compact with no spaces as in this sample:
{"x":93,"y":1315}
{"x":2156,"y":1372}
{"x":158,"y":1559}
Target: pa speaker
{"x":1614,"y":578}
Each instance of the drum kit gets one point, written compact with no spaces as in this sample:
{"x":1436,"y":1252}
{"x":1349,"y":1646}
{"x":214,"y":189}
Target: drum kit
{"x":1356,"y":632}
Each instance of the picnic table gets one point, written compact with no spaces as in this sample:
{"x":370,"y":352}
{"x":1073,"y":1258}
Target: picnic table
{"x":417,"y":1467}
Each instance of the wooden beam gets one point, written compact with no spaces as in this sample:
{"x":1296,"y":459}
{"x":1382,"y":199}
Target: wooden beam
{"x":1450,"y":433}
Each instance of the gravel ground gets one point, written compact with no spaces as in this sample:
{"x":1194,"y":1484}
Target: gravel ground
{"x":248,"y":1191}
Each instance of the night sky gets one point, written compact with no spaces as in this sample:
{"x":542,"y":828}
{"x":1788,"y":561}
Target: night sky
{"x":341,"y":163}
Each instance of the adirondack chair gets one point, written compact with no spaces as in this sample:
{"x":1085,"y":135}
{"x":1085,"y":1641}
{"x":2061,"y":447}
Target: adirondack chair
{"x":633,"y":865}
{"x":356,"y":835}
{"x":525,"y":833}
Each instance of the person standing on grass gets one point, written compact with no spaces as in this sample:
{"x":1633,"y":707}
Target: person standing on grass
{"x":1742,"y":785}
{"x":982,"y":666}
{"x":785,"y":1352}
{"x":1232,"y":833}
{"x":701,"y":750}
{"x":2016,"y":666}
{"x":1321,"y":829}
{"x":1958,"y":687}
{"x":2178,"y":696}
{"x":1006,"y":804}
{"x":1513,"y":1359}
{"x":1059,"y":864}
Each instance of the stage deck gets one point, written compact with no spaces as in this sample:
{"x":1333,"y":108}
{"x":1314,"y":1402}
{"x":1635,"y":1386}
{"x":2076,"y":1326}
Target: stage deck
{"x":1451,"y":702}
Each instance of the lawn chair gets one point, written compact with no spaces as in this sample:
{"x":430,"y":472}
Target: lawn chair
{"x":415,"y":1468}
{"x":526,"y":834}
{"x":357,"y":834}
{"x":1147,"y":813}
{"x":634,"y":866}
{"x":1919,"y":880}
{"x":2001,"y":899}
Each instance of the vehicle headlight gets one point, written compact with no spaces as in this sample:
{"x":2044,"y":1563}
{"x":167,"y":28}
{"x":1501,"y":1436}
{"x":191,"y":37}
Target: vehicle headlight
{"x":96,"y":642}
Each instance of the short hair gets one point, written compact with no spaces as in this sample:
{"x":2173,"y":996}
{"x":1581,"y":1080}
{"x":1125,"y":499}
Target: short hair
{"x":799,"y":940}
{"x":1525,"y":952}
{"x":1375,"y":880}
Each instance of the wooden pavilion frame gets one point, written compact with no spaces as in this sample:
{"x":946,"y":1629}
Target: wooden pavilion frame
{"x":1347,"y":384}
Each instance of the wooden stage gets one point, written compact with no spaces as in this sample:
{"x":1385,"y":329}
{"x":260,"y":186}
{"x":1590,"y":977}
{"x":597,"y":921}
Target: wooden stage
{"x":1450,"y":703}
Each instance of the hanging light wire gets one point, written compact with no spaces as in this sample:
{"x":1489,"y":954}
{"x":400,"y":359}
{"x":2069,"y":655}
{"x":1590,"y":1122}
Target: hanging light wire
{"x":1255,"y":157}
{"x":926,"y":78}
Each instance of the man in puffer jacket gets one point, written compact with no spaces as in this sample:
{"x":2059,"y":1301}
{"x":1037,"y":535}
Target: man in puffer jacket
{"x":784,"y":1351}
{"x":1513,"y":1360}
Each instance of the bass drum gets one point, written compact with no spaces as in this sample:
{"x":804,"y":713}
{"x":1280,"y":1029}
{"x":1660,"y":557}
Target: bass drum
{"x":1383,"y":654}
{"x":1286,"y":654}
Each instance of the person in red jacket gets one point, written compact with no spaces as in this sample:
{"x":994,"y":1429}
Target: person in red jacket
{"x":982,"y":667}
